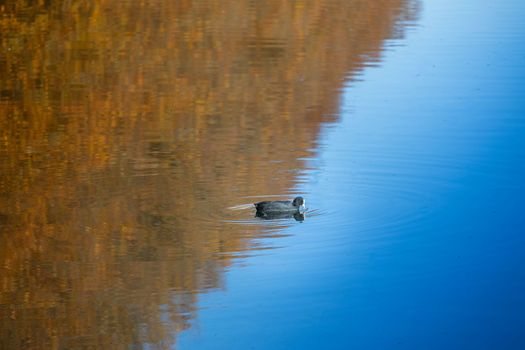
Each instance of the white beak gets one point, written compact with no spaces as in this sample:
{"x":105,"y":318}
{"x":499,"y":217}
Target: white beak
{"x":302,"y":208}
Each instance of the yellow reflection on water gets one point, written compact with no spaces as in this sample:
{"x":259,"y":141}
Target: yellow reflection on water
{"x":126,"y":131}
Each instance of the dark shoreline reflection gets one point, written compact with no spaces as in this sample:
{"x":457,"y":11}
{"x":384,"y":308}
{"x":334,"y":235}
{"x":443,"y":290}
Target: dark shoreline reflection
{"x":126,"y":127}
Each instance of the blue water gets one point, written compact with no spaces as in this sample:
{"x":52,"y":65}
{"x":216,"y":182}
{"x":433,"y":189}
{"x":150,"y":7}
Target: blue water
{"x":418,"y":241}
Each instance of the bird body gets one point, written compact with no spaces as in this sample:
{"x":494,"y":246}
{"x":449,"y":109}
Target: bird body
{"x":298,"y":204}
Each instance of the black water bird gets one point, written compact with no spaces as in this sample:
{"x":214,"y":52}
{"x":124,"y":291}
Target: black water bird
{"x":276,"y":209}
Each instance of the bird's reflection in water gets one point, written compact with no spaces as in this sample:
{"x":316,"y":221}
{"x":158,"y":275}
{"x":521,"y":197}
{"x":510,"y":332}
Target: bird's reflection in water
{"x":298,"y":216}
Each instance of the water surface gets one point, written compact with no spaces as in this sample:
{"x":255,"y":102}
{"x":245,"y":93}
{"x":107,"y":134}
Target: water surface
{"x":134,"y":136}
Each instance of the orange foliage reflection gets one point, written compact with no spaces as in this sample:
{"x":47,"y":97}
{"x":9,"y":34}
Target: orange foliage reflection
{"x":127,"y":128}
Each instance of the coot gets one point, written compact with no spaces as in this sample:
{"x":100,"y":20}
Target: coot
{"x":297,"y":205}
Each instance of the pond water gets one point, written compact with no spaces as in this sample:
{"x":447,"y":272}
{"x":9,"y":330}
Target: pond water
{"x":134,"y":137}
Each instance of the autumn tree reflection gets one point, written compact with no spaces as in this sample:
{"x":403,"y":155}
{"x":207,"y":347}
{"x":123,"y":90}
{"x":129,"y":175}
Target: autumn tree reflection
{"x":127,"y":127}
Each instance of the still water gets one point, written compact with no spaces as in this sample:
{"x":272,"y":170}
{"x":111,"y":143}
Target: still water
{"x":134,"y":136}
